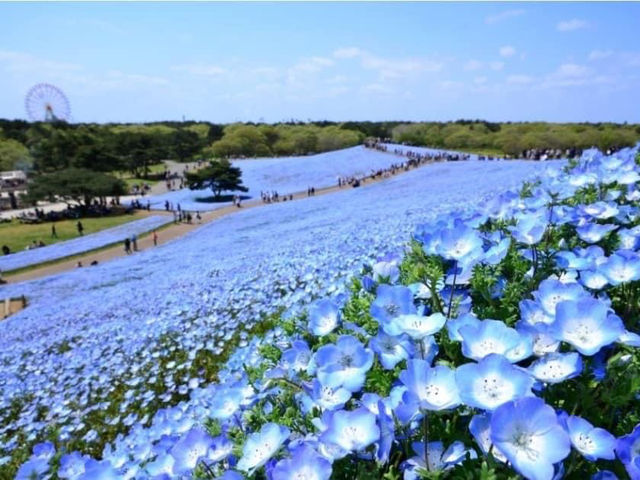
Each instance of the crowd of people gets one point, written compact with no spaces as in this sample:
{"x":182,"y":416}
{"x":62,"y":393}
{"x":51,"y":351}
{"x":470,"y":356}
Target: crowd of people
{"x":417,"y":157}
{"x":274,"y":196}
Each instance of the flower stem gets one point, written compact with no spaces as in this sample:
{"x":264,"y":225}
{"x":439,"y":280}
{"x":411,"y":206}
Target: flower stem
{"x":453,"y":286}
{"x":425,"y":433}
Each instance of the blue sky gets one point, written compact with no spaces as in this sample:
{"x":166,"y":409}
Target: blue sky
{"x":227,"y":62}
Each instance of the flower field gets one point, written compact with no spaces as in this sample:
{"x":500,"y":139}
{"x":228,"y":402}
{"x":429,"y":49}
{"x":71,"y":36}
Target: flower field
{"x":99,"y":350}
{"x":81,"y":244}
{"x":287,"y":175}
{"x":483,"y":336}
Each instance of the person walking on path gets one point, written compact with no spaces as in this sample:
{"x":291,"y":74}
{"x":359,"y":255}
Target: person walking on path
{"x":127,"y":246}
{"x":54,"y":234}
{"x":134,"y":242}
{"x":198,"y":217}
{"x":80,"y":227}
{"x":155,"y":238}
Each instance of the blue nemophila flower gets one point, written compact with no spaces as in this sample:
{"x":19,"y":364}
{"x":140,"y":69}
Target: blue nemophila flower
{"x":297,"y":357}
{"x":529,"y":229}
{"x":586,"y":325}
{"x":436,"y":458}
{"x":72,"y":465}
{"x":261,"y":446}
{"x":480,"y":428}
{"x":593,"y":279}
{"x":489,"y":336}
{"x":600,"y":210}
{"x":532,"y":313}
{"x":391,"y":349}
{"x":551,"y":292}
{"x":391,"y":302}
{"x":387,"y":267}
{"x":324,"y":317}
{"x":328,"y":398}
{"x":103,"y":470}
{"x":344,"y":364}
{"x":455,"y":324}
{"x":496,"y":253}
{"x":557,"y":367}
{"x":195,"y":446}
{"x":621,"y":267}
{"x":304,"y":464}
{"x":459,"y":243}
{"x":593,"y":443}
{"x":225,"y":403}
{"x":628,"y":451}
{"x":352,"y":430}
{"x":430,"y":388}
{"x":529,"y":435}
{"x":594,"y":232}
{"x":491,"y":382}
{"x":416,"y":326}
{"x":33,"y":468}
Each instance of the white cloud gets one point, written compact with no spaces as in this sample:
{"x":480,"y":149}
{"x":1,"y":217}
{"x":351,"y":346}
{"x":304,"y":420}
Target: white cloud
{"x":571,"y":25}
{"x":347,"y":52}
{"x":500,"y":17}
{"x":311,"y":65}
{"x":507,"y":51}
{"x":571,"y":70}
{"x":600,"y":54}
{"x":480,"y":80}
{"x":25,"y":62}
{"x":496,"y":65}
{"x":388,"y":67}
{"x":377,"y":88}
{"x":201,"y":69}
{"x":519,"y":79}
{"x":472,"y":65}
{"x":395,"y":68}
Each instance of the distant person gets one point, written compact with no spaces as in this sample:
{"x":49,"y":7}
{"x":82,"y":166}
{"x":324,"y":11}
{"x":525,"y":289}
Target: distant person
{"x":54,"y":234}
{"x":155,"y":238}
{"x":6,"y":250}
{"x":134,"y":242}
{"x":80,"y":227}
{"x":79,"y":265}
{"x":41,"y":243}
{"x":198,"y":217}
{"x":94,"y":263}
{"x":34,"y":245}
{"x":127,"y":246}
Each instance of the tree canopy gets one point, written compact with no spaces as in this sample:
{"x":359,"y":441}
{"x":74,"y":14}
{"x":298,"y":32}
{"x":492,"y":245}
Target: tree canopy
{"x":73,"y":184}
{"x":219,"y":176}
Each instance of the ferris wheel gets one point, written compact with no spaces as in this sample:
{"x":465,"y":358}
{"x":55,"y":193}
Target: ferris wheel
{"x":47,"y":103}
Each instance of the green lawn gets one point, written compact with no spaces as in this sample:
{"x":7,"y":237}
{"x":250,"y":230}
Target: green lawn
{"x":18,"y":236}
{"x":131,"y":181}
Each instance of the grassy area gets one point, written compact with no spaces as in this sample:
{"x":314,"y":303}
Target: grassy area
{"x":131,"y":181}
{"x":79,"y":255}
{"x":18,"y":236}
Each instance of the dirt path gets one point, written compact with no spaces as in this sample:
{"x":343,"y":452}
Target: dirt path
{"x":167,"y":234}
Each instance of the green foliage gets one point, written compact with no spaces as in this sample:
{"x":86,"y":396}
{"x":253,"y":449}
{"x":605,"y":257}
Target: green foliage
{"x":219,"y":176}
{"x":14,"y":156}
{"x":75,"y":184}
{"x":513,"y":138}
{"x":241,"y":140}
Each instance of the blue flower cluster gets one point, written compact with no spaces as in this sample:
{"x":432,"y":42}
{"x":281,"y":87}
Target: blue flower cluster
{"x":127,"y":353}
{"x":82,"y":244}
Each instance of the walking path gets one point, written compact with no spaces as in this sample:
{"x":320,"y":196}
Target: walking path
{"x":171,"y":232}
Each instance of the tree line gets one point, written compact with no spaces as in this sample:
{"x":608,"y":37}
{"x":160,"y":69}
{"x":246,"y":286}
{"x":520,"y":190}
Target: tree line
{"x":68,"y":155}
